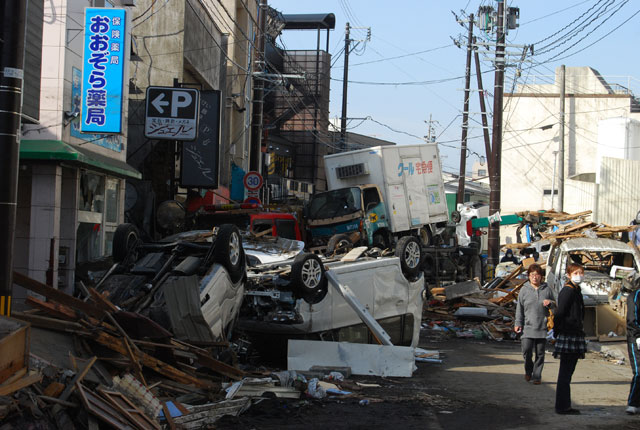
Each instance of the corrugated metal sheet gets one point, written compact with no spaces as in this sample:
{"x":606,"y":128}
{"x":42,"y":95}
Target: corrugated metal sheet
{"x":619,"y":194}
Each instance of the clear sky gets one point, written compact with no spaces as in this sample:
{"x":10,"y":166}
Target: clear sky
{"x":411,"y":69}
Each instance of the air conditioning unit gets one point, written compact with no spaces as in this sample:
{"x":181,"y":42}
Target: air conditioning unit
{"x":352,"y":171}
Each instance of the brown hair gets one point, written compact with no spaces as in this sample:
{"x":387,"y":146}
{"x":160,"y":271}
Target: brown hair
{"x":573,"y":267}
{"x":535,"y":268}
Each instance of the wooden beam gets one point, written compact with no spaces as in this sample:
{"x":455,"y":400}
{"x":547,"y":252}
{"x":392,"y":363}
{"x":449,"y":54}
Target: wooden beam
{"x":165,"y":369}
{"x":56,"y":295}
{"x":79,"y":377}
{"x":20,"y":384}
{"x":55,"y":309}
{"x":49,"y":323}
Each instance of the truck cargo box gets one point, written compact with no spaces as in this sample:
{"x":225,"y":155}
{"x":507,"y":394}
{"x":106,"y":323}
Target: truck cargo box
{"x":409,"y":177}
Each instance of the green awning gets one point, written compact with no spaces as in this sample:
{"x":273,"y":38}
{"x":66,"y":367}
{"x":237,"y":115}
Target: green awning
{"x":56,"y":150}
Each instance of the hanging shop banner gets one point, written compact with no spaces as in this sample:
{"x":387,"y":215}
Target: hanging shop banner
{"x":200,"y":158}
{"x":103,"y":70}
{"x":113,"y":142}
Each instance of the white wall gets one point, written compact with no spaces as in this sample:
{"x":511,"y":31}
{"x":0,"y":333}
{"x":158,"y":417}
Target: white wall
{"x":527,"y":150}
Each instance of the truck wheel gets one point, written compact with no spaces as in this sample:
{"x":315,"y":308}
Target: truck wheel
{"x":410,"y":253}
{"x":425,"y":236}
{"x":124,"y":239}
{"x":380,"y":241}
{"x":228,"y":250}
{"x":339,"y":243}
{"x":307,"y":274}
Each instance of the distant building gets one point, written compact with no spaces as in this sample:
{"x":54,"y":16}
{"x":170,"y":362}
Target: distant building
{"x":531,"y":137}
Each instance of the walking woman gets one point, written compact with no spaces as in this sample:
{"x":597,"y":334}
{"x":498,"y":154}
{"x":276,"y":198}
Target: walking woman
{"x":532,"y":311}
{"x":570,"y":344}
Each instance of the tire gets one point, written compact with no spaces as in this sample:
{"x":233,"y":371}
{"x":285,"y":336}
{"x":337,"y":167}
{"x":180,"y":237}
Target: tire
{"x":426,"y":237}
{"x":228,"y":250}
{"x":456,"y":217}
{"x":380,"y":241}
{"x":339,"y":243}
{"x":308,"y":277}
{"x":410,"y":253}
{"x":125,"y":239}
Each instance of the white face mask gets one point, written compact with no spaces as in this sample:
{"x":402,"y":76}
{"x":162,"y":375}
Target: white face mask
{"x":576,"y":279}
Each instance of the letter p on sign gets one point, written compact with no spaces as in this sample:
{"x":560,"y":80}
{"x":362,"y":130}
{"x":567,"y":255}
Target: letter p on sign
{"x":179,"y":99}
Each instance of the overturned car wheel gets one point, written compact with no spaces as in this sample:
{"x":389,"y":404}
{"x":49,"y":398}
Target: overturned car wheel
{"x":410,"y":253}
{"x":307,"y":275}
{"x":228,"y":251}
{"x":125,"y":239}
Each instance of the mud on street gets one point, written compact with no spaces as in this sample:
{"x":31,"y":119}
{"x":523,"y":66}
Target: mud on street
{"x":479,"y":385}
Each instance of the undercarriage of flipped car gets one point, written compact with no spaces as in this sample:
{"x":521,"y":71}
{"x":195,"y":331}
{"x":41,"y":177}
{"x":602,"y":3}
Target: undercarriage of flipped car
{"x":197,"y":261}
{"x":454,"y":263}
{"x":272,"y":290}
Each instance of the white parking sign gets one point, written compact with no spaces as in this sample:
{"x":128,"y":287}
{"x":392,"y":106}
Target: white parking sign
{"x":172,"y":113}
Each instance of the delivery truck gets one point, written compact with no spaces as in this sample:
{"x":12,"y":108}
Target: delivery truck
{"x":384,"y":196}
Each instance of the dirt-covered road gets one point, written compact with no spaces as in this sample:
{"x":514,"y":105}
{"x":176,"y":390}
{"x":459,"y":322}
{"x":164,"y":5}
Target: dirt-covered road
{"x":479,"y":385}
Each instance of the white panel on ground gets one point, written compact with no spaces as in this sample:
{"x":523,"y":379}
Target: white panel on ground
{"x":363,"y":359}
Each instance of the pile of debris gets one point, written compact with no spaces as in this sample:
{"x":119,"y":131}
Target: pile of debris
{"x":472,"y":310}
{"x":562,"y":226}
{"x":133,"y":370}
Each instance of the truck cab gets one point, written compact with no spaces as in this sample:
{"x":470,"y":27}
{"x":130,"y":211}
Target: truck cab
{"x":357,"y":212}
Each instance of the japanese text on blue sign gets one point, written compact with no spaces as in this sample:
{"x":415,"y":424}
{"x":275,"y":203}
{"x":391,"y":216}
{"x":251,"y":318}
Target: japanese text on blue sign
{"x":103,"y":68}
{"x":421,"y":168}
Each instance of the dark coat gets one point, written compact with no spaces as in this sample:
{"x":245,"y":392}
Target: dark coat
{"x":633,"y":313}
{"x":569,"y":315}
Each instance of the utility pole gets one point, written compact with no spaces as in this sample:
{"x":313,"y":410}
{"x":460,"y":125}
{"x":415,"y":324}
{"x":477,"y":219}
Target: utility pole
{"x":255,"y":158}
{"x":465,"y":116}
{"x":345,"y":82}
{"x":12,"y":17}
{"x":561,"y":143}
{"x":483,"y":113}
{"x":496,"y":149}
{"x":431,"y":131}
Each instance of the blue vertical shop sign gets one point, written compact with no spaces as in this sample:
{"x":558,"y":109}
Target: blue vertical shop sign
{"x":103,"y":70}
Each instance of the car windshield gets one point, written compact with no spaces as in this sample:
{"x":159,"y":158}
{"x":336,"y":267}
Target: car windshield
{"x":335,"y":203}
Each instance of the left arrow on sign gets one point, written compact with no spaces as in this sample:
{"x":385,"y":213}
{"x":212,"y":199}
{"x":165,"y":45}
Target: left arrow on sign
{"x":158,"y":103}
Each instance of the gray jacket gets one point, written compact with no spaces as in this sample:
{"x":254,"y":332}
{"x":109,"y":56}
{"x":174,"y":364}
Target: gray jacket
{"x":530,"y":313}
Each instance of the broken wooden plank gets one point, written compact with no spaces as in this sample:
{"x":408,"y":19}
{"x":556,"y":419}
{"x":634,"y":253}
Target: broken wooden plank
{"x":354,"y":254}
{"x":128,"y":409}
{"x":21,"y":383}
{"x":58,"y":401}
{"x":161,"y":367}
{"x":102,"y":302}
{"x":54,"y":309}
{"x":167,"y":416}
{"x":19,"y":374}
{"x":512,"y":275}
{"x":56,"y":295}
{"x":54,"y":389}
{"x":219,"y":367}
{"x":103,"y":410}
{"x":78,"y":378}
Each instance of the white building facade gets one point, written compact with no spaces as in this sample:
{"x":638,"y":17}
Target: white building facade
{"x":531,"y":138}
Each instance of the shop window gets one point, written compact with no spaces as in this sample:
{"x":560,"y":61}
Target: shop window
{"x":112,"y":207}
{"x":88,"y":242}
{"x":91,"y":197}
